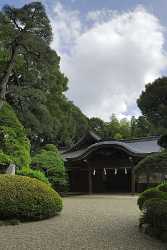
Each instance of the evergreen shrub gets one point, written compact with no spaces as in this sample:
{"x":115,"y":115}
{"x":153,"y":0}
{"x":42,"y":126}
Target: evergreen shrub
{"x":153,"y":203}
{"x":150,"y":194}
{"x":155,"y":217}
{"x":37,"y":174}
{"x":27,"y":199}
{"x":14,"y":145}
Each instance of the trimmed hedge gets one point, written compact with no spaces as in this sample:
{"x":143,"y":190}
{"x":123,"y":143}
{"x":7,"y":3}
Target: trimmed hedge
{"x":27,"y":199}
{"x":33,"y":174}
{"x":150,"y":194}
{"x":153,"y":203}
{"x":155,"y":216}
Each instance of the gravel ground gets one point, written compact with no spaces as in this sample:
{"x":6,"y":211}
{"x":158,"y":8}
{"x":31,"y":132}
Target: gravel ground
{"x":87,"y":222}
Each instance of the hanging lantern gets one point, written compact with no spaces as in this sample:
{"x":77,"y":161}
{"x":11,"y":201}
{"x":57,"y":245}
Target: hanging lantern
{"x":94,"y":172}
{"x":126,"y":171}
{"x":116,"y":171}
{"x":105,"y":173}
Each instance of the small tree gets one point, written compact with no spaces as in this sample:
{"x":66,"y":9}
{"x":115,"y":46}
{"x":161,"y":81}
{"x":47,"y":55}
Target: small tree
{"x":50,"y":162}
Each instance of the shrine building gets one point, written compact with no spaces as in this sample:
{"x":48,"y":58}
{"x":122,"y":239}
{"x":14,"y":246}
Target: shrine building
{"x":107,"y":166}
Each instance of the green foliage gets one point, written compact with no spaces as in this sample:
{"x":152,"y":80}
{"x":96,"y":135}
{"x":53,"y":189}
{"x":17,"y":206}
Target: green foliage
{"x":69,"y":123}
{"x":163,"y":141}
{"x":155,"y":216}
{"x":113,"y":126}
{"x":150,"y":194}
{"x":36,"y":85}
{"x":98,"y":126}
{"x":154,"y":163}
{"x":14,"y":145}
{"x":9,"y":119}
{"x":26,"y":199}
{"x":152,"y":102}
{"x":141,"y":127}
{"x":25,"y":171}
{"x":163,"y":187}
{"x":122,"y":129}
{"x":50,"y":147}
{"x":153,"y":203}
{"x":4,"y":159}
{"x":52,"y":164}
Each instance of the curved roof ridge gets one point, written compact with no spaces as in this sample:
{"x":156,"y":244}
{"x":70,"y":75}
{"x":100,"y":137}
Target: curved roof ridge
{"x":135,"y":147}
{"x":148,"y":138}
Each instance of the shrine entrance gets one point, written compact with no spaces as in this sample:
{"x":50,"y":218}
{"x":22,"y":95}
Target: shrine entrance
{"x":105,"y":170}
{"x":113,"y":181}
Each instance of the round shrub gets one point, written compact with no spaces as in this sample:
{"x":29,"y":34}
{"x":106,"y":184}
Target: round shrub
{"x":155,"y":217}
{"x":150,"y":194}
{"x":26,"y":199}
{"x":25,"y":171}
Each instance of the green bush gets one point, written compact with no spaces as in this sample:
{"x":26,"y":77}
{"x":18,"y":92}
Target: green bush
{"x":33,"y":174}
{"x":153,"y":203}
{"x":4,"y":159}
{"x":163,"y":187}
{"x":155,"y":217}
{"x":14,"y":145}
{"x":27,"y":199}
{"x":150,"y":194}
{"x":50,"y":147}
{"x":154,"y":163}
{"x":50,"y":162}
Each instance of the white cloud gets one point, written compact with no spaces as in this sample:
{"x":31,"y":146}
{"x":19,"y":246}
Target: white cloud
{"x":66,"y":28}
{"x":100,"y":16}
{"x":108,"y":63}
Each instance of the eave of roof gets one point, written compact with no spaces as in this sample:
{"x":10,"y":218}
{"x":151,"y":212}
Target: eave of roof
{"x":89,"y":133}
{"x":135,"y":147}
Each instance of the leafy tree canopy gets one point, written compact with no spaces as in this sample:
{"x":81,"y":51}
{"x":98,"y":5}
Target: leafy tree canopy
{"x":24,"y":33}
{"x":31,"y":80}
{"x":153,"y":102}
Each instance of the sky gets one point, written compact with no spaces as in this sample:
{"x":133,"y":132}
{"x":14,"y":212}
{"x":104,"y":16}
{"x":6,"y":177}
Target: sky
{"x":109,"y":50}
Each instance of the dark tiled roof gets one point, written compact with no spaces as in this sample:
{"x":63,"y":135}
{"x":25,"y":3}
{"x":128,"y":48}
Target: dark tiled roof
{"x":138,"y":147}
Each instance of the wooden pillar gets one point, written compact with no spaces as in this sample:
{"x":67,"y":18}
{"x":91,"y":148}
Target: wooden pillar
{"x":133,"y":182}
{"x":90,"y":180}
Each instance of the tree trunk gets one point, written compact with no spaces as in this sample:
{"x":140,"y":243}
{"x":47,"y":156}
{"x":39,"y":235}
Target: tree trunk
{"x":5,"y":78}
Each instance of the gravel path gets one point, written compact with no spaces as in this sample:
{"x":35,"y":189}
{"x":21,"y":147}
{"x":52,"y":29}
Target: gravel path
{"x":87,"y":222}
